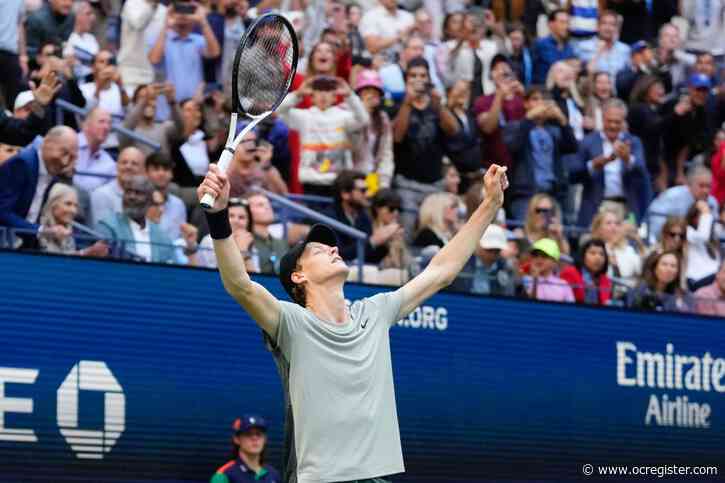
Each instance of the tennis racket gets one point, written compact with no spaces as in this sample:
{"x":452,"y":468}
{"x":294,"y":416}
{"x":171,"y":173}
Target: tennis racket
{"x":264,"y":66}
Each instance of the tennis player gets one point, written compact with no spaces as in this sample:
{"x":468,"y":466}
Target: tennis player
{"x":334,"y":358}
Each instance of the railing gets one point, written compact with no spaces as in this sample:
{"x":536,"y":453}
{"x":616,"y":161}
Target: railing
{"x":116,"y":126}
{"x":288,"y":205}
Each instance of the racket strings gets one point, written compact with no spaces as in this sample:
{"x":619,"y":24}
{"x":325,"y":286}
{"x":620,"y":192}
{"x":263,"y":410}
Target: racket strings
{"x":265,"y":67}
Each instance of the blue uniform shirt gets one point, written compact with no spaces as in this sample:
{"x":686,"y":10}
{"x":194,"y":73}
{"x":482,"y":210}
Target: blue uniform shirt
{"x":235,"y":471}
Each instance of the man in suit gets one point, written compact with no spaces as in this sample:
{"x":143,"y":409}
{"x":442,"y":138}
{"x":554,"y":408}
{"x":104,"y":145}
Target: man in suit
{"x":131,"y":231}
{"x":611,"y":166}
{"x":26,"y":178}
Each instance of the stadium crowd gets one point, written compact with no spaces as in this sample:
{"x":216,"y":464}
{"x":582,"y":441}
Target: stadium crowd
{"x":609,"y":115}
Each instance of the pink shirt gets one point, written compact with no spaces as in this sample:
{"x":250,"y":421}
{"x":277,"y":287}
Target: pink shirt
{"x":551,"y":288}
{"x":710,"y":300}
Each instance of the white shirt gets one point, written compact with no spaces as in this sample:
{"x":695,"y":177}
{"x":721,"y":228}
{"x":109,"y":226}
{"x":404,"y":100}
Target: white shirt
{"x":142,"y":239}
{"x":195,"y":154}
{"x":88,"y":46}
{"x":44,"y":179}
{"x":380,"y":22}
{"x":699,"y":262}
{"x":109,"y":100}
{"x":99,"y":162}
{"x":613,"y":171}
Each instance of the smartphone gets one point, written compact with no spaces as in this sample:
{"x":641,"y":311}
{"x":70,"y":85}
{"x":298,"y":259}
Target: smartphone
{"x":185,"y":8}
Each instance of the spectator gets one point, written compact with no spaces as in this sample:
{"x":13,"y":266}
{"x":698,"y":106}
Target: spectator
{"x":107,"y":199}
{"x":350,"y":208}
{"x":392,"y":75}
{"x":137,"y":17}
{"x":106,"y":90}
{"x":705,"y":64}
{"x":611,"y":166}
{"x":583,"y":23}
{"x":26,"y":178}
{"x":384,"y":28}
{"x":323,"y":60}
{"x":604,"y":52}
{"x":159,"y":170}
{"x":710,"y":300}
{"x":374,"y":151}
{"x":538,"y":145}
{"x":424,"y":28}
{"x":131,"y":232}
{"x":601,"y":89}
{"x":437,"y":220}
{"x":251,"y":168}
{"x":325,"y":131}
{"x":496,"y":113}
{"x":634,"y":19}
{"x":447,"y":51}
{"x":588,"y":276}
{"x":649,"y":120}
{"x":487,"y":272}
{"x":554,"y":47}
{"x":181,"y":50}
{"x":471,"y":62}
{"x":240,"y":219}
{"x":696,"y":123}
{"x":360,"y":55}
{"x":94,"y":163}
{"x":542,"y":283}
{"x":642,"y":63}
{"x":706,"y":25}
{"x":234,"y":23}
{"x":142,"y":119}
{"x":660,"y":289}
{"x":561,"y":82}
{"x":670,"y":56}
{"x":677,"y":200}
{"x":385,"y":208}
{"x":673,"y":238}
{"x":519,"y":54}
{"x":625,"y":263}
{"x":451,"y":180}
{"x":13,"y":55}
{"x":269,"y":248}
{"x":189,"y":153}
{"x":53,"y":22}
{"x":20,"y":132}
{"x":543,"y":220}
{"x":718,"y":173}
{"x":703,"y":254}
{"x":56,"y":222}
{"x":23,"y":107}
{"x":464,"y":147}
{"x":247,"y":464}
{"x":419,"y":132}
{"x":82,"y":44}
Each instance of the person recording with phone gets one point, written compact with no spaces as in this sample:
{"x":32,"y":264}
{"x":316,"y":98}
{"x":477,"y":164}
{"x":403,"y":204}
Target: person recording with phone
{"x":419,"y":132}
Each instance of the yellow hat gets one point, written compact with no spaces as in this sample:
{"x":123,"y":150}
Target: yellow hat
{"x":548,"y":247}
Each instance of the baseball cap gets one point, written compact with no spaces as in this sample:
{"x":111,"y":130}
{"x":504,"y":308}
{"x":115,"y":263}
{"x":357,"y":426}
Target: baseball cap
{"x":319,"y":234}
{"x":494,"y":238}
{"x":639,"y":46}
{"x":247,"y":422}
{"x":324,"y":83}
{"x":548,"y":247}
{"x":368,"y":78}
{"x":699,"y":80}
{"x":23,"y":99}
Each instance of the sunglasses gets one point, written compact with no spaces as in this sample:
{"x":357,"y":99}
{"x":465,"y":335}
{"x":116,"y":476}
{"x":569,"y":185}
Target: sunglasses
{"x":676,"y":234}
{"x":543,"y":211}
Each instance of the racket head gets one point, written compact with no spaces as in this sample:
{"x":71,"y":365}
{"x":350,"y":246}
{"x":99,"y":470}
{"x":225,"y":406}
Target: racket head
{"x":264,"y":66}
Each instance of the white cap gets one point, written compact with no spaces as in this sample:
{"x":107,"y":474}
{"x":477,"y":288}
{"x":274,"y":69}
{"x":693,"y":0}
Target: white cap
{"x":23,"y":99}
{"x":494,"y":238}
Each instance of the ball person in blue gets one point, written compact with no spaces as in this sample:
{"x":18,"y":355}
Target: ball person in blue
{"x":247,"y":465}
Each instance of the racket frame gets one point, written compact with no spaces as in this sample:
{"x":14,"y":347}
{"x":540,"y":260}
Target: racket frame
{"x":207,"y":201}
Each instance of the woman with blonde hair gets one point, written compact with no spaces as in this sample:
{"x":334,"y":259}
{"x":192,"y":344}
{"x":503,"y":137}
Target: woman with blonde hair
{"x":437,"y":220}
{"x":625,"y":262}
{"x":56,"y":221}
{"x":543,"y":220}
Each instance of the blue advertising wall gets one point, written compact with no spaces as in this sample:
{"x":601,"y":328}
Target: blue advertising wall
{"x":115,"y":372}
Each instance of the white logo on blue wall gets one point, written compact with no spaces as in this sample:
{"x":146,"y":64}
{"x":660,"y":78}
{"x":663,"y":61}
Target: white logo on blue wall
{"x":91,"y":376}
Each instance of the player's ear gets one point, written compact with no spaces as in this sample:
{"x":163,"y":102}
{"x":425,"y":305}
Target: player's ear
{"x":298,"y":277}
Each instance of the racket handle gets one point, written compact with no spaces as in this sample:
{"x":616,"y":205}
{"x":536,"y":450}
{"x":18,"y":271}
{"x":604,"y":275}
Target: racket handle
{"x":207,"y":201}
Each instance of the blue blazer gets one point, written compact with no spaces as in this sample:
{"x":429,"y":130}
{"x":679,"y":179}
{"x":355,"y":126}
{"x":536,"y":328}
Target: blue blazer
{"x":635,"y":179}
{"x":118,"y":229}
{"x":18,"y":179}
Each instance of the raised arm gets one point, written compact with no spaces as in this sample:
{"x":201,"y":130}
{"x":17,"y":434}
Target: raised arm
{"x":449,"y":261}
{"x":261,"y":305}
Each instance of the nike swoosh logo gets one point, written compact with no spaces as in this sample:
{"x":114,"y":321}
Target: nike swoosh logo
{"x":364,"y":324}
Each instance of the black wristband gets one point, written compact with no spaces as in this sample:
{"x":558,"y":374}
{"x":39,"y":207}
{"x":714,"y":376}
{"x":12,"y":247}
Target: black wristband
{"x":219,"y":227}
